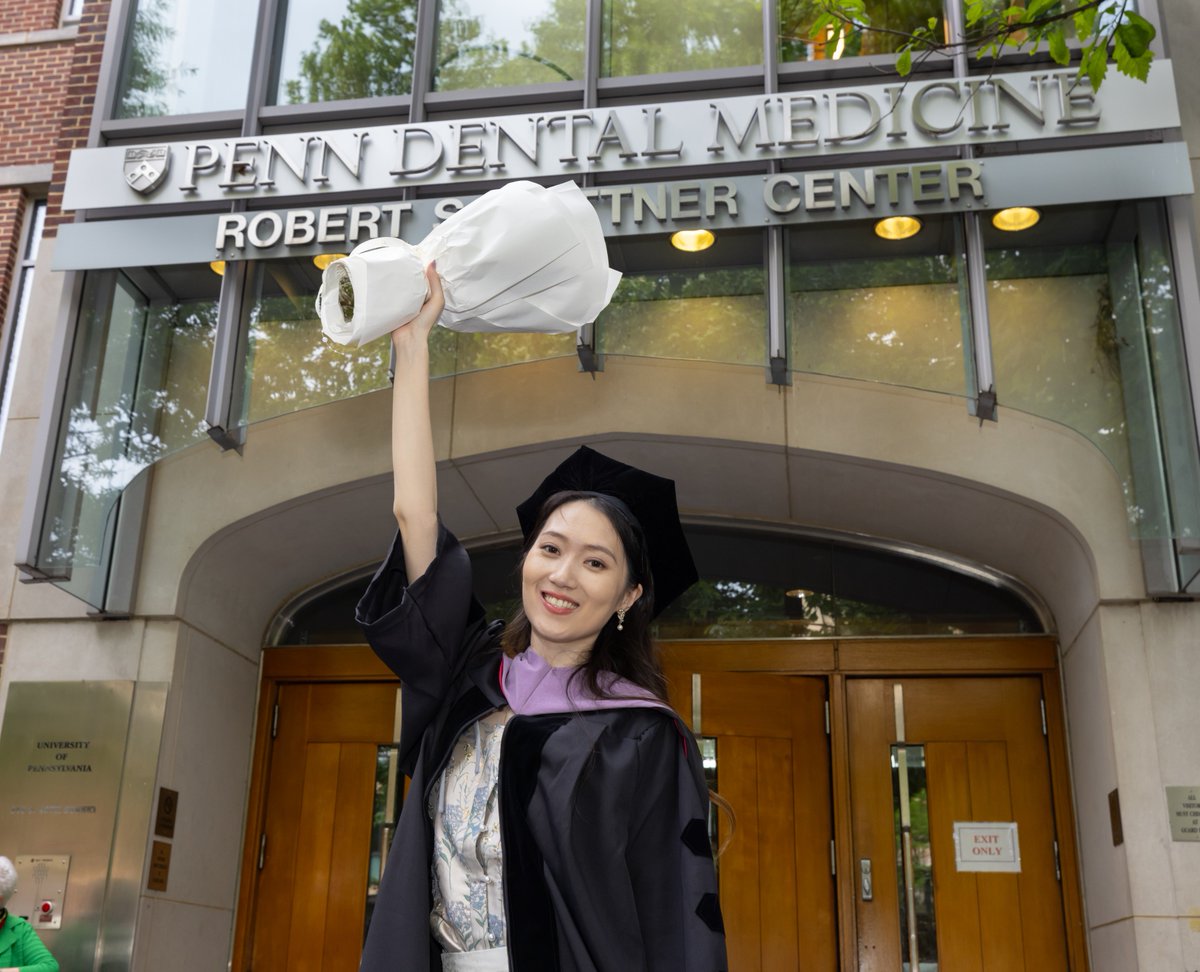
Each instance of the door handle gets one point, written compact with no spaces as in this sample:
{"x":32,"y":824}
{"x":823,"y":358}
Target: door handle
{"x":864,"y":872}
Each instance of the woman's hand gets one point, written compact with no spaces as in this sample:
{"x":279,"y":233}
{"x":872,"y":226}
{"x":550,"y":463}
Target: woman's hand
{"x":417,"y":330}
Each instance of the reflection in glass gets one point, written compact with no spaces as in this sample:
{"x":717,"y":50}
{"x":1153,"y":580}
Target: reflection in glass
{"x":330,"y":50}
{"x":710,"y":315}
{"x":289,"y":363}
{"x":385,"y":811}
{"x":706,"y":306}
{"x":660,"y":36}
{"x":185,"y":57}
{"x":914,"y":859}
{"x":452,"y":353}
{"x":748,"y":589}
{"x":1145,"y":297}
{"x":1085,"y":331}
{"x":879,"y":310}
{"x":889,"y":20}
{"x":490,"y":45}
{"x":1055,"y":344}
{"x":136,"y":391}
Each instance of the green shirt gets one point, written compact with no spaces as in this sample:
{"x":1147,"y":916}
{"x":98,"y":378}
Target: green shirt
{"x":21,"y":948}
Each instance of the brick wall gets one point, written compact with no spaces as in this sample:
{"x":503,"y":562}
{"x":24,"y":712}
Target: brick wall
{"x":18,"y":16}
{"x":12,"y":209}
{"x":34,"y":80}
{"x":77,"y":106}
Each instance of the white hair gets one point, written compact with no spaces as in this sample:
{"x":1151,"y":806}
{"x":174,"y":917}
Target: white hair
{"x":8,"y":880}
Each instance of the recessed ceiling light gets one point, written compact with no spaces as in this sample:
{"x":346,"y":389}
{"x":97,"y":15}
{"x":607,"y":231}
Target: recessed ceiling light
{"x":322,"y":260}
{"x":1016,"y":218}
{"x":692,"y":241}
{"x":898,"y":227}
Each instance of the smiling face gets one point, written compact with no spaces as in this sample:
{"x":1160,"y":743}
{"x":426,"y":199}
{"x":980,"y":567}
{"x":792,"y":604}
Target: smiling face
{"x":573,"y":579}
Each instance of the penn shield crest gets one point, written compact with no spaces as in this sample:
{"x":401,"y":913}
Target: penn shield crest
{"x":146,"y":167}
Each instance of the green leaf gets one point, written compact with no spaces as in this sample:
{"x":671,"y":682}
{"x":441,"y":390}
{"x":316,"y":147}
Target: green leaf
{"x":853,"y":9}
{"x":1136,"y":33}
{"x":821,"y":24}
{"x":1014,"y":13}
{"x":932,"y":22}
{"x":1128,"y":63}
{"x":1085,"y":23}
{"x":904,"y":62}
{"x":974,"y":12}
{"x":1141,"y":23}
{"x":1036,"y":8}
{"x":1058,"y":46}
{"x":1095,"y":65}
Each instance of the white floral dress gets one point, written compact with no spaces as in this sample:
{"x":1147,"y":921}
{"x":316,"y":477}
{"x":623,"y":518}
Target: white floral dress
{"x":468,"y":889}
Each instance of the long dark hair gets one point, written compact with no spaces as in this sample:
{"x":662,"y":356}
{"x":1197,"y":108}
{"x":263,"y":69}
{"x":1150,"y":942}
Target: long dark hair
{"x":630,"y":653}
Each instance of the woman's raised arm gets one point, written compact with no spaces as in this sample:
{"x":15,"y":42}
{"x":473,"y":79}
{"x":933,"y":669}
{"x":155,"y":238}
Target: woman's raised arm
{"x":413,"y":466}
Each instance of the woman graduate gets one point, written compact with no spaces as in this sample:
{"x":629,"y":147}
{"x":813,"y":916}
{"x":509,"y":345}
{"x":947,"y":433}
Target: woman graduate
{"x":556,"y":818}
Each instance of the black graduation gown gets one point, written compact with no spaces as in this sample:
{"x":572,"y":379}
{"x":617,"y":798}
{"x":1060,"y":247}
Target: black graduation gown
{"x":607,"y":865}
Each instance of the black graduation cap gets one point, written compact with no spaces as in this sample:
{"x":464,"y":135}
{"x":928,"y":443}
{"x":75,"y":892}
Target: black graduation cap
{"x":651,"y":500}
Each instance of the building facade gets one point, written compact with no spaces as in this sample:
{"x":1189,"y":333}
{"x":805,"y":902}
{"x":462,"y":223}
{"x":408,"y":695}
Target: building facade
{"x":926,"y":393}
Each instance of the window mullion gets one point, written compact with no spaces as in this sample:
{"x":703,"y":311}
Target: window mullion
{"x":778,"y":372}
{"x":222,"y":425}
{"x":593,"y":29}
{"x":424,"y":58}
{"x":985,"y":378}
{"x":260,"y":66}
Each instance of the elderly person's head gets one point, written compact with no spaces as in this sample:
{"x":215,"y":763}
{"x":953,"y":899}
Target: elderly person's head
{"x":8,"y":880}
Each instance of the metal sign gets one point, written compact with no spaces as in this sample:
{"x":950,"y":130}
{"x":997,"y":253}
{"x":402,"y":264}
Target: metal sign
{"x":1183,"y":807}
{"x":929,"y":114}
{"x":986,"y":846}
{"x":1050,"y":178}
{"x":42,"y":890}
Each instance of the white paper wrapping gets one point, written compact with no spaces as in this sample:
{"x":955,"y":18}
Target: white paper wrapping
{"x":518,"y":258}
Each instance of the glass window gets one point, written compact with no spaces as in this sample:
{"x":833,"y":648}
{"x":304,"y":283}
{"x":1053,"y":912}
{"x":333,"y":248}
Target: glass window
{"x":890,"y":21}
{"x":710,"y":305}
{"x":289,"y":364}
{"x":914,"y":858}
{"x":1085,"y":330}
{"x":752,"y":586}
{"x":135,"y":392}
{"x":659,"y":36}
{"x":859,"y":306}
{"x":182,"y":58}
{"x":481,"y":44}
{"x":1055,"y":345}
{"x":10,"y":345}
{"x":452,"y":353}
{"x":330,"y":50}
{"x":385,"y":812}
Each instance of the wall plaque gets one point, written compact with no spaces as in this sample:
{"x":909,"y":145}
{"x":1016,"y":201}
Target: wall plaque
{"x":986,"y":846}
{"x":62,"y":749}
{"x":160,"y":866}
{"x":1183,"y":808}
{"x":164,"y":819}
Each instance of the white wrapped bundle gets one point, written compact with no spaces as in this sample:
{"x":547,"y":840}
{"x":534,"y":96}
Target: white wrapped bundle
{"x":518,"y":258}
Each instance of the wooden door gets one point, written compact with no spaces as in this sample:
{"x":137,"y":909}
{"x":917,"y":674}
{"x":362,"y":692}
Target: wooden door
{"x":315,"y":855}
{"x":772,"y":765}
{"x":975,"y":751}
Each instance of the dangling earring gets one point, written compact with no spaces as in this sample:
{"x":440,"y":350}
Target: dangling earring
{"x":621,"y":619}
